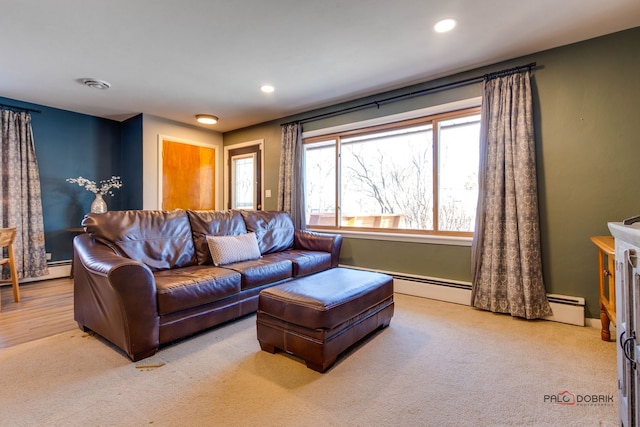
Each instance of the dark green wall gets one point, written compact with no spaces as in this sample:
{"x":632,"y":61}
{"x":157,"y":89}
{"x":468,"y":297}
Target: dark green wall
{"x":451,"y":262}
{"x":587,"y":135}
{"x":588,"y":150}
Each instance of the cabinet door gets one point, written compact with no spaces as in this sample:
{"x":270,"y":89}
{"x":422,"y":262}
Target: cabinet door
{"x":625,"y":306}
{"x":633,"y":400}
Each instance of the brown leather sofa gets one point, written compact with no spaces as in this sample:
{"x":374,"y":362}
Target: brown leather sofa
{"x":146,"y":278}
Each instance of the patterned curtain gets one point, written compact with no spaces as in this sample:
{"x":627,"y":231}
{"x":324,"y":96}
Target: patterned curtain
{"x":506,"y":258}
{"x":290,"y":184}
{"x":20,"y":194}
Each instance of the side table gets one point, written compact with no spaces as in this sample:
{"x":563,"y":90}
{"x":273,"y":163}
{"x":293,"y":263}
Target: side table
{"x":607,"y":282}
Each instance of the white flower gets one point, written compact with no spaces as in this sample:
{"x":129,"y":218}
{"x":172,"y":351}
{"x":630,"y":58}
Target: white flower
{"x":104,"y":188}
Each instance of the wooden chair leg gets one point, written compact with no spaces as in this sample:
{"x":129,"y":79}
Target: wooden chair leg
{"x":14,"y":284}
{"x":14,"y":275}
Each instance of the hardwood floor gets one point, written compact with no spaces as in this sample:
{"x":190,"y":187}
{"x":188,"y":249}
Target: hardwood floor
{"x":45,"y":309}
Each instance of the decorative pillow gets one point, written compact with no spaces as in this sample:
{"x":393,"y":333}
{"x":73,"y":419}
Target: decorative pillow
{"x":228,"y":249}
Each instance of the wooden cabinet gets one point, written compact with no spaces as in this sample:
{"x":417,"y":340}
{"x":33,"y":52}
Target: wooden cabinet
{"x":606,"y":271}
{"x":627,"y":276}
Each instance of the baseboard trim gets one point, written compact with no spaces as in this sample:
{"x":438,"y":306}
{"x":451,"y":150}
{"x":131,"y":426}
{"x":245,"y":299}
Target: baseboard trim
{"x":566,"y":309}
{"x":57,"y":270}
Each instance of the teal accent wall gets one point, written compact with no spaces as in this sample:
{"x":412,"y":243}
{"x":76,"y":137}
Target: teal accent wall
{"x":131,"y":145}
{"x":69,"y":145}
{"x":586,"y":98}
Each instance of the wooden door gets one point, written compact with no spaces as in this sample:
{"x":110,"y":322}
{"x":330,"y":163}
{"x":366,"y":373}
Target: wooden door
{"x":188,"y":176}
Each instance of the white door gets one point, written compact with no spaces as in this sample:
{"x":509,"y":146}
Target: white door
{"x":244,"y":165}
{"x":244,"y":181}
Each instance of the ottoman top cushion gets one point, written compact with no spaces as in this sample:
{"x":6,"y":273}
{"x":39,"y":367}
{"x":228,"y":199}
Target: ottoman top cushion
{"x":326,"y":299}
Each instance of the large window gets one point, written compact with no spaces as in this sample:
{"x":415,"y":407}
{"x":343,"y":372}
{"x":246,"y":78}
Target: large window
{"x":417,"y":176}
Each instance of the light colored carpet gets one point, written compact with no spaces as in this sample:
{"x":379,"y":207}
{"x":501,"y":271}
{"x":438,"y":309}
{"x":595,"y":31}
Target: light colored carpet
{"x":438,"y":364}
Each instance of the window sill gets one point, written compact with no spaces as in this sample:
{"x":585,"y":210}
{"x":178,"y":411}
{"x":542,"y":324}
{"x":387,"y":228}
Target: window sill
{"x":398,"y":237}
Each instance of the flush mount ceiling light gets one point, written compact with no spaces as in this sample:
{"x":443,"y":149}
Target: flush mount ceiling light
{"x":96,"y":84}
{"x":206,"y":119}
{"x":444,"y":25}
{"x":267,"y":88}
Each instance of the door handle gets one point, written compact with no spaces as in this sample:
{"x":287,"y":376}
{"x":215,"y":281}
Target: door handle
{"x":625,"y":347}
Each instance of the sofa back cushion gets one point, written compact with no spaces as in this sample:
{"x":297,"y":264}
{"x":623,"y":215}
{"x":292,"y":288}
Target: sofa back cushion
{"x":273,"y":229}
{"x":213,"y":223}
{"x":160,"y":239}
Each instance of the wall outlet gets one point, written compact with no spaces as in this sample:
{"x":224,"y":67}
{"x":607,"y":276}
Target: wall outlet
{"x":48,"y":256}
{"x":267,"y":193}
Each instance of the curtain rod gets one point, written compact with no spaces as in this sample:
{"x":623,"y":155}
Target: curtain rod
{"x":31,"y":110}
{"x":451,"y":85}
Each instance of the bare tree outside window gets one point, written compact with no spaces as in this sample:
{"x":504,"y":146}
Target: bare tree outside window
{"x":390,"y":175}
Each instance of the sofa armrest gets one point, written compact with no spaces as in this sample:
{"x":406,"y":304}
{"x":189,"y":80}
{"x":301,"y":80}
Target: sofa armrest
{"x":115,"y":297}
{"x":324,"y":242}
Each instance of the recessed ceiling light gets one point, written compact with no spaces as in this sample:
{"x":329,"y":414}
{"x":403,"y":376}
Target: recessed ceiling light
{"x":444,"y":25}
{"x":96,"y":84}
{"x":267,"y":88}
{"x":206,"y":119}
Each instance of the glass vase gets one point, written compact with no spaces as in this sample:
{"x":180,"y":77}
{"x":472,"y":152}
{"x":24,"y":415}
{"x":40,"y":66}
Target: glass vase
{"x":98,"y":205}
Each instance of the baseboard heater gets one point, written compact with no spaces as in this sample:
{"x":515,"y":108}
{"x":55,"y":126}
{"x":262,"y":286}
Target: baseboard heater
{"x":57,"y":270}
{"x":566,"y":309}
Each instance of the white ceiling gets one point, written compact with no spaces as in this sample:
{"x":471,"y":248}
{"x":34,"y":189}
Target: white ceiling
{"x":175,"y":59}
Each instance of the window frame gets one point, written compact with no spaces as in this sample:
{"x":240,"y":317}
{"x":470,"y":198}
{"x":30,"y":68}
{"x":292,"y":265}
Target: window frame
{"x":432,"y":236}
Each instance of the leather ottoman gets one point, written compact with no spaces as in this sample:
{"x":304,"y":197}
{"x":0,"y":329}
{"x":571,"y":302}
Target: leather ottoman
{"x":319,"y":316}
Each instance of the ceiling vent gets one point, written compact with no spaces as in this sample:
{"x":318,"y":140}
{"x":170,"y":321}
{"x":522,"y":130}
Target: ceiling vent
{"x":96,"y":84}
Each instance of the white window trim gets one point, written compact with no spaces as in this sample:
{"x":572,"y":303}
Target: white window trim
{"x":399,"y":237}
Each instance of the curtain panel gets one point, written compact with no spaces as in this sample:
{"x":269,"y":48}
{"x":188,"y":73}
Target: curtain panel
{"x":20,"y":194}
{"x":506,"y":256}
{"x":291,"y":175}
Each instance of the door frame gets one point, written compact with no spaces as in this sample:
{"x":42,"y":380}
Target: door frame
{"x":216,"y":149}
{"x":225,"y":172}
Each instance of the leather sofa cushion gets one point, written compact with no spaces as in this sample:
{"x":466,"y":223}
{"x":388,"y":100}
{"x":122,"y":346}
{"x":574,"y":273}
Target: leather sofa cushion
{"x":161,"y":240}
{"x":304,"y":262}
{"x":213,"y":223}
{"x":274,"y":230}
{"x":193,"y":286}
{"x":262,"y":271}
{"x":326,"y":299}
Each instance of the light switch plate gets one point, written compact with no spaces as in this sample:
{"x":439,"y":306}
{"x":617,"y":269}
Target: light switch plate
{"x":267,"y":193}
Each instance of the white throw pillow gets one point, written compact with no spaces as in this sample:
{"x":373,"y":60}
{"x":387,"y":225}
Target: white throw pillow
{"x":228,"y":249}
